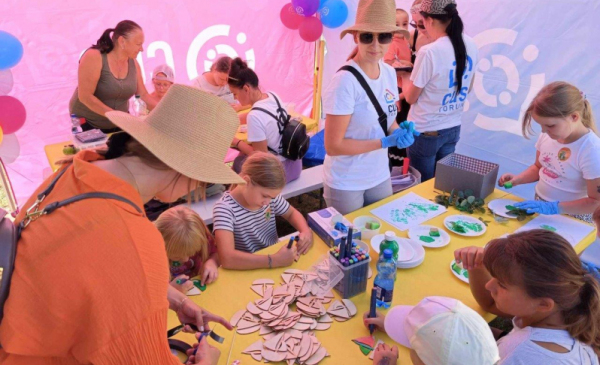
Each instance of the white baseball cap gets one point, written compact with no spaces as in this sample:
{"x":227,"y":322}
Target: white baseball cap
{"x":166,"y":70}
{"x":443,"y":331}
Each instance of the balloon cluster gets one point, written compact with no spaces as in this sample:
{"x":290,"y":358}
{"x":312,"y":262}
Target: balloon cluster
{"x":12,"y":111}
{"x":310,"y":16}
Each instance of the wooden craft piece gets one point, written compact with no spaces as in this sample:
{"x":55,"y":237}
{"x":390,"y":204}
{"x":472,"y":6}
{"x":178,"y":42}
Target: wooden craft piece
{"x":274,"y":342}
{"x":253,"y":309}
{"x":350,"y":306}
{"x":268,"y":292}
{"x":265,"y":330}
{"x":274,"y":356}
{"x":260,"y":286}
{"x":323,"y":326}
{"x":301,"y":326}
{"x":264,"y":304}
{"x":367,"y":341}
{"x":236,"y":317}
{"x":193,"y":291}
{"x":305,"y":346}
{"x":316,"y":357}
{"x":257,"y":356}
{"x":314,"y":324}
{"x":248,"y":330}
{"x":325,"y":319}
{"x":257,"y":346}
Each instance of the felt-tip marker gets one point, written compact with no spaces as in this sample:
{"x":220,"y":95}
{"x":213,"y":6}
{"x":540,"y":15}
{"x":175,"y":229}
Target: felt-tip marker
{"x":373,"y":309}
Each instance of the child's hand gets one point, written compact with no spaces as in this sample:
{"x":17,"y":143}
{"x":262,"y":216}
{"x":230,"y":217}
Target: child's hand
{"x":305,"y":242}
{"x":470,"y":257}
{"x":210,"y":271}
{"x":206,"y":354}
{"x":184,"y":287}
{"x":285,"y":256}
{"x":377,"y":321}
{"x":385,"y":354}
{"x":506,"y":178}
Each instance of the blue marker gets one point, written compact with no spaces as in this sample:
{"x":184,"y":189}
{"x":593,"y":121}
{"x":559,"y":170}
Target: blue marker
{"x":290,"y":243}
{"x":373,"y":309}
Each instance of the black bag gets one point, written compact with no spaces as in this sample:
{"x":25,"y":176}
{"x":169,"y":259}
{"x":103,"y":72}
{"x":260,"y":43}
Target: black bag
{"x":10,"y":234}
{"x":294,"y":140}
{"x":394,"y":153}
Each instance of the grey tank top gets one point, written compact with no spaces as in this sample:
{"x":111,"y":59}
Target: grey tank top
{"x":114,"y":93}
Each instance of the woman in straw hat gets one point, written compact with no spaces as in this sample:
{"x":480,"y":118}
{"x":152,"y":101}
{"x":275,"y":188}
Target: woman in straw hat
{"x":356,"y":171}
{"x":438,"y":85}
{"x":90,"y":284}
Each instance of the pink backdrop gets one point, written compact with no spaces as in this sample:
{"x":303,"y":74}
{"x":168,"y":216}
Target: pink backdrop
{"x":186,"y":34}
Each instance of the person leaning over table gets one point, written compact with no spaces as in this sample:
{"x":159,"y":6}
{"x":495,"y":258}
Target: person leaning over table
{"x":356,"y":171}
{"x":91,"y":280}
{"x":109,"y":76}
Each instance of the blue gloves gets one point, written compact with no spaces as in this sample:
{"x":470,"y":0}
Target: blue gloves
{"x":402,"y":137}
{"x":537,"y":206}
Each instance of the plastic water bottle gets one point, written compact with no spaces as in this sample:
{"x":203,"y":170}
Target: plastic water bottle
{"x":139,"y":107}
{"x":75,"y":124}
{"x":384,"y":281}
{"x":390,"y":243}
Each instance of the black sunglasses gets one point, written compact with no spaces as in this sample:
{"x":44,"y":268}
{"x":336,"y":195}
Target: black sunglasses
{"x":382,"y":38}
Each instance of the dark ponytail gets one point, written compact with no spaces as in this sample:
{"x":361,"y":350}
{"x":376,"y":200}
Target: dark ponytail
{"x":106,"y":42}
{"x":240,"y":75}
{"x":454,"y":29}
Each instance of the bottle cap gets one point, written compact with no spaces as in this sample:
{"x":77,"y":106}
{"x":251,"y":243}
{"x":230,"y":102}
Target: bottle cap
{"x":387,"y":253}
{"x":390,"y":235}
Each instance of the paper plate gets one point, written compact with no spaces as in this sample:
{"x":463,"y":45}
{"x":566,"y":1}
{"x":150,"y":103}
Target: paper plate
{"x":416,"y":260}
{"x":498,"y":206}
{"x":418,"y":233}
{"x":459,"y":272}
{"x":468,"y":220}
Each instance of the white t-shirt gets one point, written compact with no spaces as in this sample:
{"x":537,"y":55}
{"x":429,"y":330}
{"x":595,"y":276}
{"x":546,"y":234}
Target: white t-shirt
{"x":438,"y":107}
{"x":345,"y":96}
{"x":518,"y":348}
{"x":566,"y":167}
{"x":223,"y":92}
{"x":262,"y":126}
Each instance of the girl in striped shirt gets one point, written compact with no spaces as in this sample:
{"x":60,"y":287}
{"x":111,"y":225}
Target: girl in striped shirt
{"x":244,"y":218}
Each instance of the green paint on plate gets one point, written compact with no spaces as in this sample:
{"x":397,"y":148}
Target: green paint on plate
{"x":426,"y":239}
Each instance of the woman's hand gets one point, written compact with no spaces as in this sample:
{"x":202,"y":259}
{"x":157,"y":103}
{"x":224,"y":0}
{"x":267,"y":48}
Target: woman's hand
{"x":210,"y":272}
{"x":305,"y":242}
{"x":190,"y":312}
{"x":378,"y":321}
{"x":205,"y":354}
{"x":385,"y":355}
{"x":183,"y":287}
{"x":470,"y":257}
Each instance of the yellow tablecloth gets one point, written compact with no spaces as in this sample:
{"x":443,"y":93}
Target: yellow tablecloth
{"x":231,"y":292}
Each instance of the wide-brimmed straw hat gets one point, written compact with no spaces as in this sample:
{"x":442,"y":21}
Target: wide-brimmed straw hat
{"x":375,"y":16}
{"x":190,"y":131}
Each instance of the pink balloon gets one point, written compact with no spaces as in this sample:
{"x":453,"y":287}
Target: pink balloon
{"x":311,"y":29}
{"x":12,"y":114}
{"x":289,"y":17}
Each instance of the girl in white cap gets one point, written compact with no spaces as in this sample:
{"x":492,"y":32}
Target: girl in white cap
{"x":438,"y":331}
{"x":536,"y":278}
{"x":163,"y":78}
{"x":438,"y":85}
{"x":357,"y":135}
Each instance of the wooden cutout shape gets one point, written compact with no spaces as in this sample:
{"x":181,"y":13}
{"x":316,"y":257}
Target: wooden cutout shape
{"x":193,"y":291}
{"x":265,"y":330}
{"x":253,"y":309}
{"x":257,"y":346}
{"x":350,"y":306}
{"x":236,"y":317}
{"x":316,"y":357}
{"x":273,"y":356}
{"x":366,"y":341}
{"x":306,"y":345}
{"x":268,"y":292}
{"x":264,"y":304}
{"x":314,"y":324}
{"x":323,"y":326}
{"x":301,"y":326}
{"x":248,"y":330}
{"x":325,"y":319}
{"x":260,"y":286}
{"x":257,"y":356}
{"x":273,"y":343}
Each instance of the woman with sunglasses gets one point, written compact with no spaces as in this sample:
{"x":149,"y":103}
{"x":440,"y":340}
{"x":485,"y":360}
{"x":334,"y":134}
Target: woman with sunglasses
{"x":356,"y":171}
{"x":418,"y":37}
{"x":438,"y":85}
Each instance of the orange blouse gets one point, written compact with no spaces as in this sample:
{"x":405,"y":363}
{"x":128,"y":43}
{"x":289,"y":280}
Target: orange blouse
{"x":90,"y":280}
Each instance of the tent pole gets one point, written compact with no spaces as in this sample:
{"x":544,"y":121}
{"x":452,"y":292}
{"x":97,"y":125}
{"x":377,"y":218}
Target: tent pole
{"x":318,"y":78}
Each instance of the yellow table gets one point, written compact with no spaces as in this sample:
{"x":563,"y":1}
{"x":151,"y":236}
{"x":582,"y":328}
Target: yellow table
{"x":231,"y":292}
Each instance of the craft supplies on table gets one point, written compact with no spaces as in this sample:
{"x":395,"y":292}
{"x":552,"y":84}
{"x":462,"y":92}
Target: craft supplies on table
{"x":330,"y":226}
{"x":459,"y":172}
{"x":573,"y":230}
{"x":408,"y":210}
{"x":429,"y":236}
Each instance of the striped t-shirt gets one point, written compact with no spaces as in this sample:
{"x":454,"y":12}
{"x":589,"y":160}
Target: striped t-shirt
{"x":252,"y":230}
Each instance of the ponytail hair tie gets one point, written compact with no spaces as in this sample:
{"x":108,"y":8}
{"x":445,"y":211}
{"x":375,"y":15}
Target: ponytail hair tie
{"x":583,"y":95}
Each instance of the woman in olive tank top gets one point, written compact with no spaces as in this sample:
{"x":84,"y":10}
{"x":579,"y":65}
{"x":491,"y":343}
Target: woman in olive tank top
{"x":109,"y":76}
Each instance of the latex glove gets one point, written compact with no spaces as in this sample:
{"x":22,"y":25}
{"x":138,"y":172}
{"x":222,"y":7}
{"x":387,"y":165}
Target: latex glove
{"x":391,"y":140}
{"x":410,"y":126}
{"x":405,"y":139}
{"x":537,"y":206}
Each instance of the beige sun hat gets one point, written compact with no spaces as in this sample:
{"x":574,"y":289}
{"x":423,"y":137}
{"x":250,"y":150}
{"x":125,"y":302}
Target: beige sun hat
{"x":189,"y":130}
{"x":376,"y":16}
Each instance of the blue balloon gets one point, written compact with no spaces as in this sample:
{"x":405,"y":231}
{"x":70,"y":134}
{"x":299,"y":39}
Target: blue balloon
{"x":11,"y":50}
{"x":333,"y":13}
{"x":321,"y":3}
